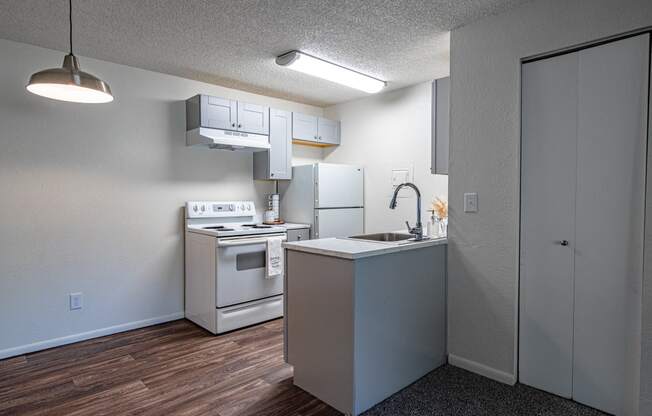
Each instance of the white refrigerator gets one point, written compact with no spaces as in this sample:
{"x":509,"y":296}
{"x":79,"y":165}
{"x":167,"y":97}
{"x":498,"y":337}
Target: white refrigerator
{"x":329,"y":197}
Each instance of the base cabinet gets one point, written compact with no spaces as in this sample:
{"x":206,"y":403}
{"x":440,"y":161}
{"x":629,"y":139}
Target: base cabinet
{"x":300,"y":234}
{"x":358,"y":331}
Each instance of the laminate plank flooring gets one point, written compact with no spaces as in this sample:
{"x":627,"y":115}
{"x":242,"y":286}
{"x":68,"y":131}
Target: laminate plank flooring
{"x":179,"y":369}
{"x":171,"y":369}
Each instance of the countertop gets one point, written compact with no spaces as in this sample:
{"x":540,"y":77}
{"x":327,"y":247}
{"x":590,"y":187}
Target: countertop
{"x":347,"y":248}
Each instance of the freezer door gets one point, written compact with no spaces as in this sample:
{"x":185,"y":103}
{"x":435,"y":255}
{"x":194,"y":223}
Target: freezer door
{"x":339,"y":222}
{"x":338,"y":186}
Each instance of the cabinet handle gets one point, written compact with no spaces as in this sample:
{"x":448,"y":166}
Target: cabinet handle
{"x":564,"y":242}
{"x":232,"y":124}
{"x":319,"y":137}
{"x":239,"y":125}
{"x":271,"y":174}
{"x":298,"y":237}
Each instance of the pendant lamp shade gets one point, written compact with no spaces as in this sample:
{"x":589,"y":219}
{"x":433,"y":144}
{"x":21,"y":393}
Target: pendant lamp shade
{"x":69,"y":83}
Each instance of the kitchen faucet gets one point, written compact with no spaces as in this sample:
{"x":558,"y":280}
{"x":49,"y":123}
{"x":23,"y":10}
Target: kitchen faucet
{"x":418,"y":228}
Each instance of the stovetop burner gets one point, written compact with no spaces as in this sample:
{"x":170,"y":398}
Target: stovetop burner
{"x":218,"y":228}
{"x":256,"y":225}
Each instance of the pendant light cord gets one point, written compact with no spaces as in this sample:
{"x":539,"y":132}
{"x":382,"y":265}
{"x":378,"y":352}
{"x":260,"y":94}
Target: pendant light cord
{"x":70,"y":22}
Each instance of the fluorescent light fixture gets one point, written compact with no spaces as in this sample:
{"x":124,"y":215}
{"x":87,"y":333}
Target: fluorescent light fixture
{"x":311,"y":65}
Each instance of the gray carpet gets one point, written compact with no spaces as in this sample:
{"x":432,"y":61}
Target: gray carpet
{"x":453,"y":391}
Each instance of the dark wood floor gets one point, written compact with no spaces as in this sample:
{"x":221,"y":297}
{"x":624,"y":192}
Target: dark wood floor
{"x":170,"y":369}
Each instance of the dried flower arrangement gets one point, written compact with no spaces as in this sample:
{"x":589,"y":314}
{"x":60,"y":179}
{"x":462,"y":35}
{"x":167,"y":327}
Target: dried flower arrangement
{"x":440,"y":208}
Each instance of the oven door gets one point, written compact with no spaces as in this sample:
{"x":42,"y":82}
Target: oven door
{"x":241,"y":270}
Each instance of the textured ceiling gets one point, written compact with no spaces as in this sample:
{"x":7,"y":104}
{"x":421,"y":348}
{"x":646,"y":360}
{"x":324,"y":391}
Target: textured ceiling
{"x":234,"y":42}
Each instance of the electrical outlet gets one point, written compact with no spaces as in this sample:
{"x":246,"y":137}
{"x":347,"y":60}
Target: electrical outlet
{"x":76,"y":301}
{"x":470,"y":202}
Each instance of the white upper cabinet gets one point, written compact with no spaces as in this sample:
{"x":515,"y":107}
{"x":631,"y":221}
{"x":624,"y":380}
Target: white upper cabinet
{"x":253,"y":118}
{"x":319,"y":131}
{"x":225,"y":114}
{"x":328,"y":131}
{"x":304,"y":127}
{"x":218,"y":113}
{"x":276,"y":163}
{"x":440,"y":121}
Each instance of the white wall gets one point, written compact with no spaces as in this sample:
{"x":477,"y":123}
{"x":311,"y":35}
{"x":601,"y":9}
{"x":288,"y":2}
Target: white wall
{"x":305,"y":155}
{"x":484,"y":158}
{"x":382,"y":132}
{"x":92,"y":199}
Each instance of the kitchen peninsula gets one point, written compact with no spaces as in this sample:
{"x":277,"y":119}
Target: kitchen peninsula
{"x":364,"y":318}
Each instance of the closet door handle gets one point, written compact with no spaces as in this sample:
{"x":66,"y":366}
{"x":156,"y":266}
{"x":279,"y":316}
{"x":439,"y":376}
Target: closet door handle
{"x":564,"y":242}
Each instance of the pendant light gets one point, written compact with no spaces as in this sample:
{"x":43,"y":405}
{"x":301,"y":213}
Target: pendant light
{"x":69,"y":83}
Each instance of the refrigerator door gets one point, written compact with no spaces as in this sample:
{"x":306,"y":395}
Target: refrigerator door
{"x":338,"y":186}
{"x":338,"y":222}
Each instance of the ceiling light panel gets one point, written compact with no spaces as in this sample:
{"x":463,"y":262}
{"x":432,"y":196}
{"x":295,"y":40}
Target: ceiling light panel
{"x":320,"y":68}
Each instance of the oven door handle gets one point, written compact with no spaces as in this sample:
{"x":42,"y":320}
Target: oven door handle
{"x":246,"y":241}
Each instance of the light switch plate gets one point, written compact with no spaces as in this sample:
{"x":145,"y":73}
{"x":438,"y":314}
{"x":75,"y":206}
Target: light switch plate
{"x":400,"y":176}
{"x":471,"y":202}
{"x":75,"y":301}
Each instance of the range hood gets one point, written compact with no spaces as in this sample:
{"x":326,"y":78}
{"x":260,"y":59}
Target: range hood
{"x":227,"y":139}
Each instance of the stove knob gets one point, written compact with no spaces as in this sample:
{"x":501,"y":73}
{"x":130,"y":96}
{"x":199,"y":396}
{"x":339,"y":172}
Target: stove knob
{"x":248,"y":207}
{"x":203,"y":208}
{"x":242,"y":207}
{"x":194,"y":208}
{"x":231,"y":207}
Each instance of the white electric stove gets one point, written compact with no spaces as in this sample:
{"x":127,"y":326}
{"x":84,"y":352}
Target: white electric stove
{"x":226,"y":250}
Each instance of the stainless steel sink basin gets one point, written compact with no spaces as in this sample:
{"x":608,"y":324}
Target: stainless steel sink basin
{"x":384,"y":237}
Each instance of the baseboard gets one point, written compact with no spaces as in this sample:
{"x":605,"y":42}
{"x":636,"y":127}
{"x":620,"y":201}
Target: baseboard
{"x":82,"y":336}
{"x":482,"y":369}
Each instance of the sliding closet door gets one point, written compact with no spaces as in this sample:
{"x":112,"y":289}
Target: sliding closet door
{"x":548,"y":156}
{"x":612,"y":117}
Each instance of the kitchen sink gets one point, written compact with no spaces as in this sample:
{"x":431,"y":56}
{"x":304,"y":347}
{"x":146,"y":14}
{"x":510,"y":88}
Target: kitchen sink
{"x":384,"y":237}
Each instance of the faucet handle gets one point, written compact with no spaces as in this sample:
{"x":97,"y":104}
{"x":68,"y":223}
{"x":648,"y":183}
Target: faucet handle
{"x":410,"y":229}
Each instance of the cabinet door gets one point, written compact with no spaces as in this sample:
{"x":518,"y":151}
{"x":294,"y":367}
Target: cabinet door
{"x":253,"y":118}
{"x":304,"y":127}
{"x":280,"y":138}
{"x":299,"y":235}
{"x":328,"y":131}
{"x":440,"y":120}
{"x":218,"y":113}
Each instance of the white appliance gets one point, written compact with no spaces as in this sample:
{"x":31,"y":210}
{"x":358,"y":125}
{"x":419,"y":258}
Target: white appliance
{"x":226,"y":283}
{"x":327,"y":196}
{"x":226,"y":139}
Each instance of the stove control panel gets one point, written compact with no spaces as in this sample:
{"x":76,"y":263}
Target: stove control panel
{"x":220,"y":209}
